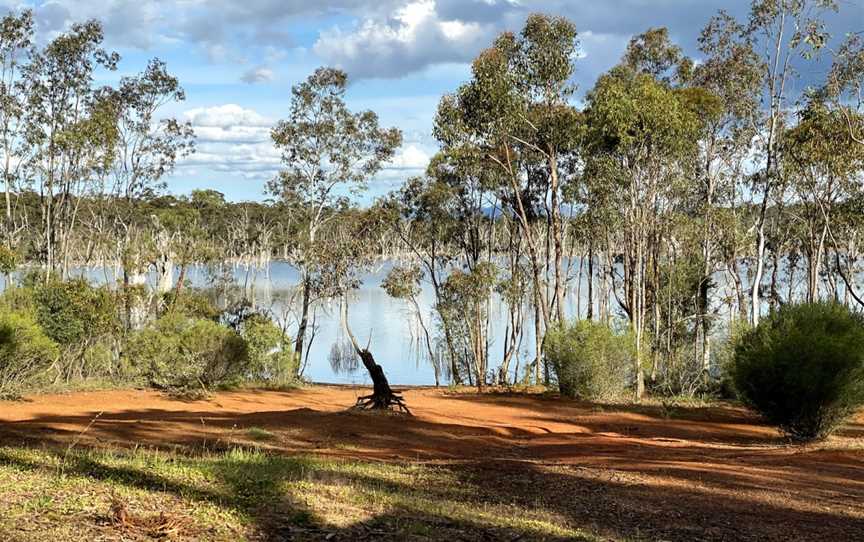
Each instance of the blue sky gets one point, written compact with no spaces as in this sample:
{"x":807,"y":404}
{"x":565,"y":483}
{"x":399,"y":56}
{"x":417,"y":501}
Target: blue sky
{"x":237,"y":61}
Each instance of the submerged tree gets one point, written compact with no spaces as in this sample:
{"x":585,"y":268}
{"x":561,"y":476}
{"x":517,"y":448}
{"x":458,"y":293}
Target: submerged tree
{"x":403,"y":282}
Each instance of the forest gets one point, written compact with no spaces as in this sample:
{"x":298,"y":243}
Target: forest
{"x":687,"y":233}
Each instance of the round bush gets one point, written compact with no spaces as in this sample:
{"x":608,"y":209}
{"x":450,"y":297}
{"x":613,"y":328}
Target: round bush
{"x":73,"y":312}
{"x":802,"y":368}
{"x":183,"y":354}
{"x":25,"y":352}
{"x":590,"y":360}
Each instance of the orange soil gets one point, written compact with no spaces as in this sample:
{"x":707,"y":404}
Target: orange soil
{"x":704,"y":473}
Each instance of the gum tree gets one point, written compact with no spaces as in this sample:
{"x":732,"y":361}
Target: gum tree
{"x":328,"y":155}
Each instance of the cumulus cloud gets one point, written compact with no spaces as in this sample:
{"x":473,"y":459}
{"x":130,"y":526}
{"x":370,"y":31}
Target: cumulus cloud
{"x":226,"y":116}
{"x":410,"y":156}
{"x":257,"y":75}
{"x":409,"y":40}
{"x":234,"y":139}
{"x":374,"y":38}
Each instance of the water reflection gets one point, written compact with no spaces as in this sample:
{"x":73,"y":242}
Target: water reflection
{"x":386,"y":324}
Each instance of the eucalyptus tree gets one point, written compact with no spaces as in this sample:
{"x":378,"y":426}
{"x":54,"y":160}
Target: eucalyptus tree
{"x":783,"y":30}
{"x":515,"y":115}
{"x":642,"y":134}
{"x":404,"y":282}
{"x":16,"y":40}
{"x":147,"y":149}
{"x":844,"y":86}
{"x":351,"y":245}
{"x":422,"y":215}
{"x":70,"y":131}
{"x":329,"y":154}
{"x":824,"y":167}
{"x":723,"y":90}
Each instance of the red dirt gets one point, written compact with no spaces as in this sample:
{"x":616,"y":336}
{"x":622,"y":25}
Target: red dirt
{"x":703,"y":473}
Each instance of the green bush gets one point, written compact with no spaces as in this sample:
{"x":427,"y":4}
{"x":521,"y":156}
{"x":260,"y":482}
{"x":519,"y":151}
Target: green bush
{"x":194,"y":303}
{"x":73,"y":312}
{"x":25,"y":352}
{"x":802,"y":368}
{"x":187,"y":355}
{"x":271,"y":358}
{"x":590,"y":360}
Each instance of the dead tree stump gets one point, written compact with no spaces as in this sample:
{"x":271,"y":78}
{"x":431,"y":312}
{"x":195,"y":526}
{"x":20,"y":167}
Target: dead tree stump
{"x":383,"y":397}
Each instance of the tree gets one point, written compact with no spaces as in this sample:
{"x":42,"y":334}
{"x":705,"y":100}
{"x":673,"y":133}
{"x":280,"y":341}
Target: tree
{"x":71,"y":130}
{"x":349,"y":249}
{"x":641,"y":133}
{"x":329,"y":154}
{"x":147,"y":149}
{"x":784,"y":29}
{"x":823,"y":166}
{"x":16,"y":36}
{"x":404,"y":283}
{"x":515,"y":116}
{"x":724,"y":93}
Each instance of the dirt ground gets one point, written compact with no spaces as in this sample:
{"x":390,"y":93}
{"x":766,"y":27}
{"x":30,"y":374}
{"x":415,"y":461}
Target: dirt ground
{"x":682,"y":473}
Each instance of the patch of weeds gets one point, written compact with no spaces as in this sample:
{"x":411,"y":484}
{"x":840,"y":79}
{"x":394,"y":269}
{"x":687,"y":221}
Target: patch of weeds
{"x":260,"y":435}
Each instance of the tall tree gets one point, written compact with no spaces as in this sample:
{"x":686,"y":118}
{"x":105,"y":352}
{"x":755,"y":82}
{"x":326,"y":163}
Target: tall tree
{"x":784,"y":30}
{"x":641,"y":134}
{"x":71,"y":130}
{"x":16,"y":36}
{"x":329,"y":154}
{"x":515,"y":115}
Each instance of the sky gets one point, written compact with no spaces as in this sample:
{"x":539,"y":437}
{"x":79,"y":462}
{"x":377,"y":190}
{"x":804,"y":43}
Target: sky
{"x":238,"y":59}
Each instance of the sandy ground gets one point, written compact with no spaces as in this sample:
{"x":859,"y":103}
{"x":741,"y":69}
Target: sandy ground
{"x":715,"y":471}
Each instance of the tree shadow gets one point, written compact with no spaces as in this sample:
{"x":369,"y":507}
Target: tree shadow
{"x":259,"y":486}
{"x":708,"y":474}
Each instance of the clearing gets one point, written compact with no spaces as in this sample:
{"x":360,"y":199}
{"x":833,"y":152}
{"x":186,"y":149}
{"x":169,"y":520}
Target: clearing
{"x":297,"y":465}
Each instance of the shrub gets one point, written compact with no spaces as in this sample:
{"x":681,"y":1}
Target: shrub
{"x":76,"y":316}
{"x":185,"y":355}
{"x":271,"y":357}
{"x":802,"y":368}
{"x":25,"y":352}
{"x":590,"y":360}
{"x":194,"y":303}
{"x":74,"y":312}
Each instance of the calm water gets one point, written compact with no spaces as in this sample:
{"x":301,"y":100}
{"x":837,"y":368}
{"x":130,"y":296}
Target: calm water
{"x":391,"y":325}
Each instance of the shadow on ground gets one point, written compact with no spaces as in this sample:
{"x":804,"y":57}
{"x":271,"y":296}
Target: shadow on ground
{"x":619,"y":472}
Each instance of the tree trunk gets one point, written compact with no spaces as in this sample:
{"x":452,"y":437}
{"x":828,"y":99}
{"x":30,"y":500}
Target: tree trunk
{"x":304,"y":316}
{"x":383,"y":397}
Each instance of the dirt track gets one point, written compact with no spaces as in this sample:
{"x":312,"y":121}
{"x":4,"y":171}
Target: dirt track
{"x":716,"y":472}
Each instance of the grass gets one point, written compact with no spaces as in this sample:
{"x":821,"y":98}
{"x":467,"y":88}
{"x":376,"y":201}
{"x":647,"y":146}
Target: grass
{"x":249,"y":494}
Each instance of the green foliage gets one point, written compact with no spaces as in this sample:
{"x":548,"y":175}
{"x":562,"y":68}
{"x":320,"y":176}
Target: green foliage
{"x":25,"y":352}
{"x":271,"y":358}
{"x":74,"y":312}
{"x":9,"y":260}
{"x":591,"y":360}
{"x":188,"y":355}
{"x":190,"y":302}
{"x":802,"y":368}
{"x":403,"y":282}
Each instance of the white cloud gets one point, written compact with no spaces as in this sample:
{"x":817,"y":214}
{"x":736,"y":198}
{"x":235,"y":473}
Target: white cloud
{"x":232,"y":139}
{"x":409,"y":157}
{"x":257,"y":75}
{"x":226,"y":116}
{"x":411,"y":39}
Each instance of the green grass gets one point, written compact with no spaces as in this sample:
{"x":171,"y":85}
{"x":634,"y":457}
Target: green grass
{"x":249,"y":494}
{"x":260,"y":435}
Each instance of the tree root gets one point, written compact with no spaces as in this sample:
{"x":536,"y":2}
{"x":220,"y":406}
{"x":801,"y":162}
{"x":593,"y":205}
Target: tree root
{"x":382,"y":401}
